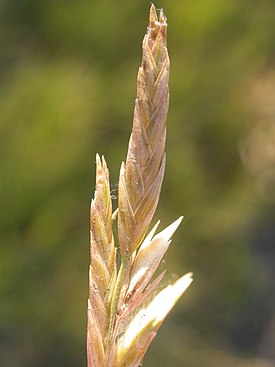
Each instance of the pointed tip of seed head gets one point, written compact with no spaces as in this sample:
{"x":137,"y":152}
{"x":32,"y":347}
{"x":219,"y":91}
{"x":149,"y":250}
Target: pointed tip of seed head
{"x":168,"y":232}
{"x":101,"y":162}
{"x":97,"y":158}
{"x":162,"y":17}
{"x":153,"y":17}
{"x":180,"y":285}
{"x":104,"y":164}
{"x":98,"y":167}
{"x":188,"y":276}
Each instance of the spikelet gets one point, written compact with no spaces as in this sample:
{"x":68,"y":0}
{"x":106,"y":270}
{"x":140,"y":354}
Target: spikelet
{"x":126,"y":307}
{"x":102,"y":272}
{"x":141,"y":177}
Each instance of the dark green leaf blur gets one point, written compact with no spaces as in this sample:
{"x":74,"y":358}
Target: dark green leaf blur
{"x":67,"y":87}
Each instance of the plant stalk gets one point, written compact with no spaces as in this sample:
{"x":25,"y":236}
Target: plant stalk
{"x":114,"y":302}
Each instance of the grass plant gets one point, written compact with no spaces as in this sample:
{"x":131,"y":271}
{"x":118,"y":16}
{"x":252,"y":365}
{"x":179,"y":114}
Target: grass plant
{"x":126,"y":304}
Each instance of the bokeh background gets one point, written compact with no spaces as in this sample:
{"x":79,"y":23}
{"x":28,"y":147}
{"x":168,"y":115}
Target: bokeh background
{"x":67,"y":86}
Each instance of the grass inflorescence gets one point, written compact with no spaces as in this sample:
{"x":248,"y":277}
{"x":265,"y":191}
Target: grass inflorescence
{"x":125,"y":306}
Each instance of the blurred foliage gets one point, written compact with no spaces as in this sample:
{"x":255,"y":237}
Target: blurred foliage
{"x":67,"y":74}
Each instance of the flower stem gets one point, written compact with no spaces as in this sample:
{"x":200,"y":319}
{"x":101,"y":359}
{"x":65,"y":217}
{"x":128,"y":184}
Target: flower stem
{"x":114,"y":302}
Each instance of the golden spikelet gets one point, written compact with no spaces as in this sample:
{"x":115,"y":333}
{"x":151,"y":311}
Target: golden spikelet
{"x":124,"y":310}
{"x":141,"y":177}
{"x":102,"y":273}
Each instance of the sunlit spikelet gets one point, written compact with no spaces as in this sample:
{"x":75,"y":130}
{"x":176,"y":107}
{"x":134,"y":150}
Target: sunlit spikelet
{"x":141,"y":177}
{"x":143,"y":327}
{"x":102,"y":273}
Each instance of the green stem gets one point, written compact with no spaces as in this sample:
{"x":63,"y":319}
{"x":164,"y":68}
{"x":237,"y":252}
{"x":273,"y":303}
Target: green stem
{"x":114,"y":302}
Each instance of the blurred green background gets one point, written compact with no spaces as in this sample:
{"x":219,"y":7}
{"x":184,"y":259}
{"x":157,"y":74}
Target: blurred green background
{"x":67,"y":86}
